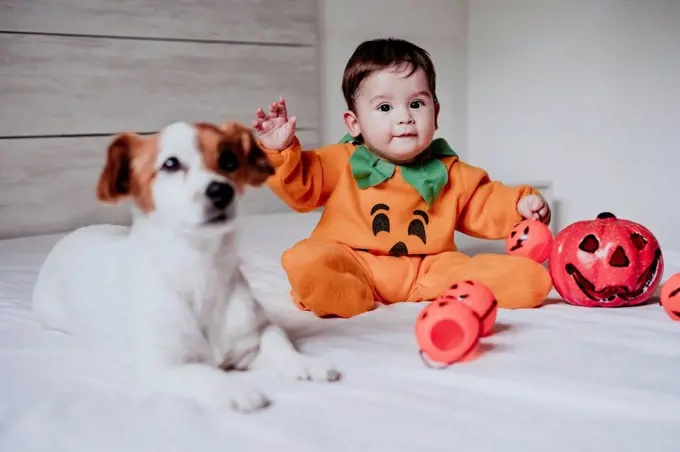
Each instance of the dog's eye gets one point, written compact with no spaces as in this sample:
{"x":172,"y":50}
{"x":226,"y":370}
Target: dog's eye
{"x":228,"y":161}
{"x":171,"y":165}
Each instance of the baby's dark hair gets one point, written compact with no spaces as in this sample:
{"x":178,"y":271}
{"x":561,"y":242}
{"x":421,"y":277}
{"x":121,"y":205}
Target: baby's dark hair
{"x":379,"y":54}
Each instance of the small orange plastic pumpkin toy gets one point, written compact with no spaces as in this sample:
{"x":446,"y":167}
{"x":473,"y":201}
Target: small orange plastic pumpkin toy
{"x":530,"y":238}
{"x":670,"y":297}
{"x":449,"y":328}
{"x":479,"y":298}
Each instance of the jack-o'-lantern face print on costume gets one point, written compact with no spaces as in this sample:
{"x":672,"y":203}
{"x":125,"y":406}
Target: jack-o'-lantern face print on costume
{"x":416,"y":228}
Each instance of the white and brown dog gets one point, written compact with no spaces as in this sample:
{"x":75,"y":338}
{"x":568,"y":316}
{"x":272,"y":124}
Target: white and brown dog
{"x":167,"y":295}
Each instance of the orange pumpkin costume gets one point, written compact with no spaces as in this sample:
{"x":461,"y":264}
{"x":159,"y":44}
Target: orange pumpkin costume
{"x":384,"y":243}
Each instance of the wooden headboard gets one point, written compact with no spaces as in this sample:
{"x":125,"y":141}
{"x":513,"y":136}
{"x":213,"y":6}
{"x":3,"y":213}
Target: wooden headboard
{"x":73,"y":73}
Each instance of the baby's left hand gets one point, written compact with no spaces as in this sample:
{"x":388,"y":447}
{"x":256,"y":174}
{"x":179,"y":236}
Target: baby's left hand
{"x":534,"y":207}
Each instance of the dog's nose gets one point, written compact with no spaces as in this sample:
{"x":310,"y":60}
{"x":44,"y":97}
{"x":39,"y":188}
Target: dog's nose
{"x":220,"y":194}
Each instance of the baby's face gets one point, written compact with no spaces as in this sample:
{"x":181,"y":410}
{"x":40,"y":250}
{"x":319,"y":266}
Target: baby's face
{"x":395,"y":114}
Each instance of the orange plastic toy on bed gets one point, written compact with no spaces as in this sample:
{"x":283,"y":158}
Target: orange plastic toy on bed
{"x":670,"y":297}
{"x":532,"y":239}
{"x":448,"y":330}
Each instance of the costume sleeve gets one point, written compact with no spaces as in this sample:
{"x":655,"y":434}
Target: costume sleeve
{"x":304,"y":179}
{"x":487,"y":209}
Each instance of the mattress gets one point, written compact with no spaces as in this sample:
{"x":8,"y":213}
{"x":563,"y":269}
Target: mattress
{"x":558,"y":378}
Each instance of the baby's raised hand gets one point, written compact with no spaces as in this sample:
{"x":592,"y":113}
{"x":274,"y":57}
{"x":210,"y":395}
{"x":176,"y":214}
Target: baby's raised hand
{"x":534,"y":207}
{"x":275,"y":129}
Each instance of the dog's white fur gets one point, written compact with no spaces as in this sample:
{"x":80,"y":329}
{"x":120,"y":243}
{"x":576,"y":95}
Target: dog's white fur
{"x":167,"y":295}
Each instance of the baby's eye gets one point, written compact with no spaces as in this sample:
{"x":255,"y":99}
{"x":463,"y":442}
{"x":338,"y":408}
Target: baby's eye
{"x":385,"y":107}
{"x":416,"y":103}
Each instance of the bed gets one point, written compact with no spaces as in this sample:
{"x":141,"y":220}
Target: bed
{"x":558,"y":378}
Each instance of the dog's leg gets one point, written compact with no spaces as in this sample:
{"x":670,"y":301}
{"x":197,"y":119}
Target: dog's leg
{"x":207,"y":385}
{"x":278,"y":352}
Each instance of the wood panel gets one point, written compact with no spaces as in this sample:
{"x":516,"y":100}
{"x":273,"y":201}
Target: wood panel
{"x":274,"y":21}
{"x":56,"y":85}
{"x":48,"y":185}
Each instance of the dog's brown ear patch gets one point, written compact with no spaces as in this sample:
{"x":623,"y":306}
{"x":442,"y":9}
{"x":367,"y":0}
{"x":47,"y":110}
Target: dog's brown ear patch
{"x":129,"y":170}
{"x":254,"y":168}
{"x":260,"y":165}
{"x":116,"y":177}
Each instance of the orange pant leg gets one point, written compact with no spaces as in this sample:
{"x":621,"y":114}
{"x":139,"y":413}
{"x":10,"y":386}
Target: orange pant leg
{"x":517,"y":282}
{"x":331,"y":279}
{"x":328,"y":278}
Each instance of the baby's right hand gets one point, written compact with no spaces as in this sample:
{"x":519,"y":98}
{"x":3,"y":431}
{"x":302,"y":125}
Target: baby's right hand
{"x":275,"y":129}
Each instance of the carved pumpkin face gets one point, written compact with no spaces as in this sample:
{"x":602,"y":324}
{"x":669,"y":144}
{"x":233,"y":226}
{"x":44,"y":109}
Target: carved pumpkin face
{"x":478,"y":297}
{"x":670,"y":297}
{"x":606,"y":262}
{"x":530,"y":238}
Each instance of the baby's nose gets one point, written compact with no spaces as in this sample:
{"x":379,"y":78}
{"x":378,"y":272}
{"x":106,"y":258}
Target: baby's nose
{"x":406,"y":119}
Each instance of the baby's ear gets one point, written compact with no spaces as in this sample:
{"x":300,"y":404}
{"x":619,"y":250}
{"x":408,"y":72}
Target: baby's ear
{"x":115,"y":178}
{"x":352,"y":123}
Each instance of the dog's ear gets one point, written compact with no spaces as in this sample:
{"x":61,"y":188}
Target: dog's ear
{"x":255,"y":167}
{"x":257,"y":160}
{"x":115,"y":179}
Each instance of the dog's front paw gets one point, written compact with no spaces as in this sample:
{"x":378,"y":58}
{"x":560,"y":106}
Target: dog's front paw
{"x":245,"y":399}
{"x":314,"y":369}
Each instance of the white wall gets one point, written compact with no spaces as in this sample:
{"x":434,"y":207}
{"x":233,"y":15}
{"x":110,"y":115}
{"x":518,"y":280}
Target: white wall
{"x":439,"y":26}
{"x":585,"y":93}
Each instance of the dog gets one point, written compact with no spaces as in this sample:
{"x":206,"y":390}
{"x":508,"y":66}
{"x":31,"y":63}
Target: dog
{"x":166,"y":294}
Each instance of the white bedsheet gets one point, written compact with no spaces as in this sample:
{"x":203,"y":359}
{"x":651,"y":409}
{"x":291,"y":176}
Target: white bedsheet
{"x":559,"y":378}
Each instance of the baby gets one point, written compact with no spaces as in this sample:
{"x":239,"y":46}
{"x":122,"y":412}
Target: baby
{"x":392,"y":196}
